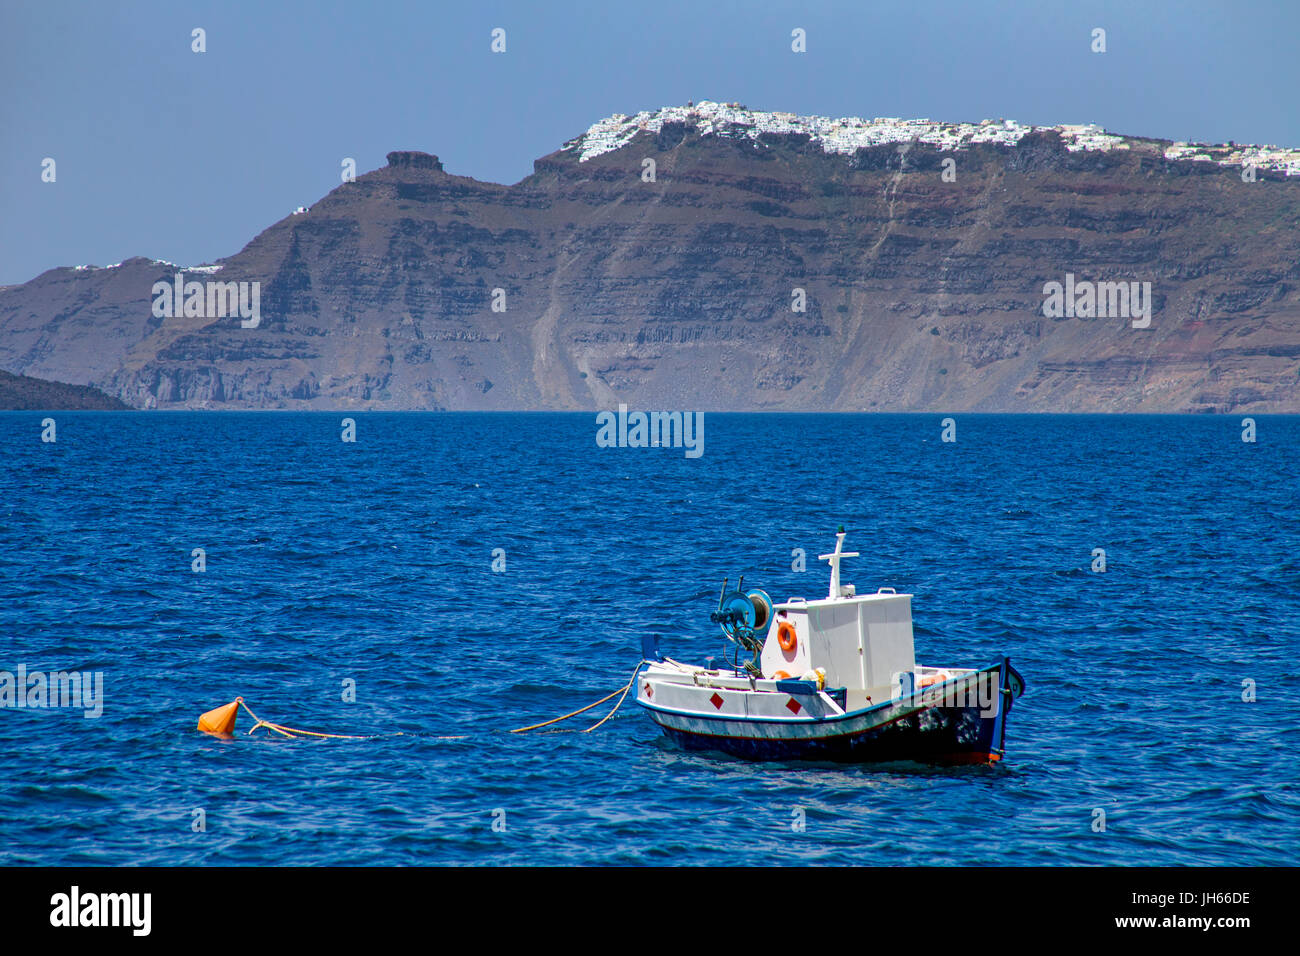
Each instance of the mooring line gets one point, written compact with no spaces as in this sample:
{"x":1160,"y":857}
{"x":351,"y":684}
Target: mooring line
{"x":295,"y":732}
{"x":221,"y":721}
{"x":630,"y":682}
{"x":622,"y":690}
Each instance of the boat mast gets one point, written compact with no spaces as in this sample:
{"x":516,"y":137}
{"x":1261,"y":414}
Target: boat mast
{"x":834,"y":559}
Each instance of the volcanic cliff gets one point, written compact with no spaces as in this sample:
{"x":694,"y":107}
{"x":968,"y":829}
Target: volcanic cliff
{"x":918,"y":251}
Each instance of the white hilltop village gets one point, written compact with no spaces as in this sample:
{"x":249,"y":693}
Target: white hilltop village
{"x":206,"y":269}
{"x":846,"y":135}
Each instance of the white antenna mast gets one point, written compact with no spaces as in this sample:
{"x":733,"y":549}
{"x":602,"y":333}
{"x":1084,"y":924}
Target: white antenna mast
{"x":834,"y":558}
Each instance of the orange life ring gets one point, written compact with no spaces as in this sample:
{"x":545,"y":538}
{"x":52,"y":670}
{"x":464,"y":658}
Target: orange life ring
{"x":785,"y":637}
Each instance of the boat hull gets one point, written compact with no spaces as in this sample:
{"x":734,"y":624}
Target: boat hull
{"x":937,"y":725}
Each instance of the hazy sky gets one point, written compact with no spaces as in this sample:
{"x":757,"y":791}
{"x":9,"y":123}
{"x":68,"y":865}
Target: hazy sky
{"x":185,"y":156}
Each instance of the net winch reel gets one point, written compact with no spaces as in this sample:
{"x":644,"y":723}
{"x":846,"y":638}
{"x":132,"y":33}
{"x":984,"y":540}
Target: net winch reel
{"x":745,"y":617}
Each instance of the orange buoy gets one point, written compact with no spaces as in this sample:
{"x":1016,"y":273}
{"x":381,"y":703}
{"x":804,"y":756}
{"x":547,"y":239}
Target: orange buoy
{"x":221,"y":721}
{"x":785,"y":637}
{"x":780,"y":675}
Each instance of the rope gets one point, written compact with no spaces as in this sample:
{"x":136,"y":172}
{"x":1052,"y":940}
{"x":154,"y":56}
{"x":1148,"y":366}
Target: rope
{"x":630,"y":682}
{"x":293,"y":732}
{"x":622,"y":690}
{"x":547,"y":723}
{"x":284,"y":731}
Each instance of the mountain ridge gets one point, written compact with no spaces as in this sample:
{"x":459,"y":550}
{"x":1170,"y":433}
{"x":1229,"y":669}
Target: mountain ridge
{"x":920,"y":294}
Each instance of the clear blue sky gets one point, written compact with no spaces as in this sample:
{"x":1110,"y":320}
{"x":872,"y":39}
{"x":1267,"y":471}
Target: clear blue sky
{"x":182,"y":156}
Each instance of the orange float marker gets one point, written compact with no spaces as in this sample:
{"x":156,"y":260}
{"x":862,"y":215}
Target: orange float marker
{"x":221,"y":721}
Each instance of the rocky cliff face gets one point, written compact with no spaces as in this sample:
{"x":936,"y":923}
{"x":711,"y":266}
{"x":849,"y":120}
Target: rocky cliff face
{"x":919,"y":258}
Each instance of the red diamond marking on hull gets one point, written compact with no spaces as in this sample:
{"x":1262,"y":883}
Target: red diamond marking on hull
{"x":649,"y":691}
{"x":716,"y":701}
{"x":793,"y":706}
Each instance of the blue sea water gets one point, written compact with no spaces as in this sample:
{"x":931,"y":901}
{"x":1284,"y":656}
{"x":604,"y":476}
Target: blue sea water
{"x":372,"y":562}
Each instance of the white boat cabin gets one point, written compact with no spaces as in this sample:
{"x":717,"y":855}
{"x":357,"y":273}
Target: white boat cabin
{"x":859,"y":642}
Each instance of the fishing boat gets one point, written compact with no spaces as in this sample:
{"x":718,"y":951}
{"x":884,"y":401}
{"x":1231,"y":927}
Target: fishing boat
{"x":831,"y":679}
